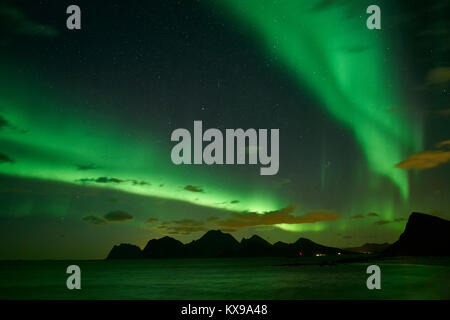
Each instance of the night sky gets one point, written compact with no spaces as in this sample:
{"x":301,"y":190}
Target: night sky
{"x":86,"y":118}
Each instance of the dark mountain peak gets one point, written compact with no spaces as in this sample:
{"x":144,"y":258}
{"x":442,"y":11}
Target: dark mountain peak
{"x":167,"y":239}
{"x":163,"y":247}
{"x":255,"y":239}
{"x":214,"y":233}
{"x":218,"y":236}
{"x":163,"y":241}
{"x":423,"y":235}
{"x":304,"y":241}
{"x":280,"y":243}
{"x":213,"y":243}
{"x":424,"y":224}
{"x":255,"y":246}
{"x":416,"y":218}
{"x":125,"y":251}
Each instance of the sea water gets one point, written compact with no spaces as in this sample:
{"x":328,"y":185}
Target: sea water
{"x":246,"y":278}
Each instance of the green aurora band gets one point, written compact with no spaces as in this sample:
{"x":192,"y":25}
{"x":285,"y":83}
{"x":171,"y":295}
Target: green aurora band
{"x":58,"y":139}
{"x":329,"y":49}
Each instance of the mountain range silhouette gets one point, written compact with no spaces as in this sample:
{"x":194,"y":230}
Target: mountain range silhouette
{"x":217,"y":244}
{"x":423,"y":235}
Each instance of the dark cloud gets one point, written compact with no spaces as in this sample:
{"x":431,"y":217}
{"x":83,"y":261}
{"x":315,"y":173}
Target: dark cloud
{"x":108,"y":180}
{"x":113,"y":216}
{"x":5,"y":159}
{"x":4,"y":123}
{"x":114,"y":180}
{"x":140,"y":183}
{"x":102,"y":180}
{"x":83,"y":167}
{"x":193,"y":188}
{"x":361,"y":216}
{"x":118,"y":216}
{"x":381,"y":222}
{"x":151,"y":220}
{"x":95,"y":220}
{"x":234,"y":201}
{"x":252,"y":219}
{"x":186,"y":226}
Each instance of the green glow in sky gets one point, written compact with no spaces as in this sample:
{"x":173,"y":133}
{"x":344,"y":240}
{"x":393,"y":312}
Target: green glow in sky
{"x":329,"y":50}
{"x":86,"y":119}
{"x":52,"y":149}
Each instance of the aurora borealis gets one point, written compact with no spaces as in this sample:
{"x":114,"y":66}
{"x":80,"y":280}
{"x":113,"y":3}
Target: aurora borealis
{"x":86,"y":118}
{"x":297,"y":33}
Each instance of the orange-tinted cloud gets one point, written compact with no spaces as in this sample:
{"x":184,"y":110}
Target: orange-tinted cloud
{"x":427,"y":159}
{"x":438,"y":76}
{"x":358,"y":216}
{"x":372,"y":214}
{"x":252,"y":219}
{"x":443,"y":144}
{"x":444,"y":112}
{"x":241,"y":220}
